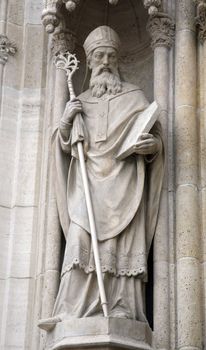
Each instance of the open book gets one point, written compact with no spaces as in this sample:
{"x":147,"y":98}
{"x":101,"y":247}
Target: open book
{"x":143,"y":124}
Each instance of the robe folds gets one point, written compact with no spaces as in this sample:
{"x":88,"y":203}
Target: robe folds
{"x":125,"y":196}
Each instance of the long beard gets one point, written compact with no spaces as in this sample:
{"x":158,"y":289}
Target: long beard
{"x":105,"y":82}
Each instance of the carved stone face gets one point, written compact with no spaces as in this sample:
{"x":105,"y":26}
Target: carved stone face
{"x":103,"y":62}
{"x":104,"y":57}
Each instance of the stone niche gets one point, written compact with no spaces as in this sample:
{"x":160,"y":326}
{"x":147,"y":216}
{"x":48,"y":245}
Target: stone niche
{"x":129,"y":20}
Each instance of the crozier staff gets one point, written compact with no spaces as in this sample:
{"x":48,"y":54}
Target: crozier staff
{"x":69,"y":63}
{"x":125,"y":193}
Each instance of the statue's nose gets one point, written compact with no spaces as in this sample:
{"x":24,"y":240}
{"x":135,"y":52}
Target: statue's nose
{"x":105,"y":60}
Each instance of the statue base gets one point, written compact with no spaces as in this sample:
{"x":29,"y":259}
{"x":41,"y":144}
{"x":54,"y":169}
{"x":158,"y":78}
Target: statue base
{"x":100,"y":333}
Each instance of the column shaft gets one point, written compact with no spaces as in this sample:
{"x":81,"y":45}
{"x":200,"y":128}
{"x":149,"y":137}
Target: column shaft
{"x":54,"y":234}
{"x":161,"y":28}
{"x":161,"y":268}
{"x":187,"y":200}
{"x":202,"y":157}
{"x":3,"y":16}
{"x":61,"y":42}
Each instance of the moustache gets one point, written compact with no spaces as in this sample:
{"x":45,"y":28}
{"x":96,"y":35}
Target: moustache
{"x":102,"y":69}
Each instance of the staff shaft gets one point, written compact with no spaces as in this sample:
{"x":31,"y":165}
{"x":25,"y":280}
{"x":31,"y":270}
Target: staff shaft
{"x":92,"y":229}
{"x":90,"y":212}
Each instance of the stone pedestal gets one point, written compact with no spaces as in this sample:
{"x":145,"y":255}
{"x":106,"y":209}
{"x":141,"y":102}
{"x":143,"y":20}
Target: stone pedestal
{"x":100,"y":333}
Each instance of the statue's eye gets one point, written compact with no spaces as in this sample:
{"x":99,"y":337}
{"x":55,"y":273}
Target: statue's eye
{"x":113,"y":56}
{"x":98,"y":55}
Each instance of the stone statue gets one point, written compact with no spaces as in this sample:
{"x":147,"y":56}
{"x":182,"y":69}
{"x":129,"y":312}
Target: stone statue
{"x":125,"y":193}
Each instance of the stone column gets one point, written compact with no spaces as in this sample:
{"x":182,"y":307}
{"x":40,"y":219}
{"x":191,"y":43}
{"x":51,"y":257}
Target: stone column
{"x":161,"y":29}
{"x":62,"y":42}
{"x":201,"y":26}
{"x":188,"y":243}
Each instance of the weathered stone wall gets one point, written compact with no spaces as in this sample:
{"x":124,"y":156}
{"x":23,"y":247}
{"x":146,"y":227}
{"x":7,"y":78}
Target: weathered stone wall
{"x":32,"y":98}
{"x":23,"y":80}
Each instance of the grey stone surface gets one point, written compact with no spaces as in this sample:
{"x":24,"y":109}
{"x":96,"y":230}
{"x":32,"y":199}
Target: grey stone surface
{"x":100,"y":332}
{"x":32,"y":99}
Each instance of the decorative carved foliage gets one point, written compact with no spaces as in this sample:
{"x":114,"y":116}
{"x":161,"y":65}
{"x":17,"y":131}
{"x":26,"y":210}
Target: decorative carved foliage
{"x":7,"y":48}
{"x":201,"y":19}
{"x":63,"y":41}
{"x":162,"y":30}
{"x":153,"y":6}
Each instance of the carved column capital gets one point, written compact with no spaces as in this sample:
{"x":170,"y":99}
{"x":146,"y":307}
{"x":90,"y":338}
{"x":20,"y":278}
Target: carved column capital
{"x":162,"y":30}
{"x":201,"y":19}
{"x":7,"y":48}
{"x":63,"y":40}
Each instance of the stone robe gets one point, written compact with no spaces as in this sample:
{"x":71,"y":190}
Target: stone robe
{"x":125,"y":195}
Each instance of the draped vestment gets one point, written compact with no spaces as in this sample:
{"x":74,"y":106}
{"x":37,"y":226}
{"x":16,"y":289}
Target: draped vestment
{"x":125,"y":196}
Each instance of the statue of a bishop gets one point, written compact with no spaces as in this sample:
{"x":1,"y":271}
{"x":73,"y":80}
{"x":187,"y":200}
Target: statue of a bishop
{"x":125,"y":192}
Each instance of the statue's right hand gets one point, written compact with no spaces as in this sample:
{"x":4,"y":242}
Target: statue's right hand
{"x":72,"y":108}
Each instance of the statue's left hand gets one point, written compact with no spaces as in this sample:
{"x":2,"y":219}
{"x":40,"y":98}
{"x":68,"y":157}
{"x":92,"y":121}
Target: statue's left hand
{"x":147,"y":144}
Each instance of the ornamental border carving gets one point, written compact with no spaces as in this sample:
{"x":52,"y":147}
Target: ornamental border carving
{"x":51,"y":16}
